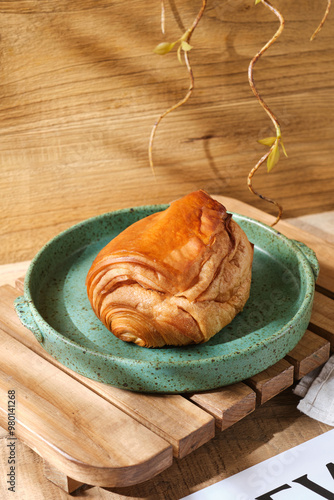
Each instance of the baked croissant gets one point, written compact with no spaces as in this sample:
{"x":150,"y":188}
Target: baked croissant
{"x":176,"y":277}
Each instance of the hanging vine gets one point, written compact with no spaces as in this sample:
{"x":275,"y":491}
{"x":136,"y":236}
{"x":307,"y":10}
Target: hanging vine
{"x":329,"y":3}
{"x":274,"y":143}
{"x":183,"y":48}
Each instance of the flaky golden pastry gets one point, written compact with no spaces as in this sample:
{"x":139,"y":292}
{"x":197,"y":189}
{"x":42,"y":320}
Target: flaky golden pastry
{"x":176,"y":277}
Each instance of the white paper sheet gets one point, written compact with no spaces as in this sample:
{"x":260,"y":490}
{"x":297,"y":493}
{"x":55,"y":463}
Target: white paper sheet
{"x":305,"y":472}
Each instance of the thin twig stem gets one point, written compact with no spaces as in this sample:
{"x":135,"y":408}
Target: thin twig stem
{"x":190,"y":89}
{"x":329,"y":3}
{"x":251,"y":188}
{"x":255,"y":59}
{"x":163,"y":17}
{"x":197,"y":19}
{"x":265,"y":107}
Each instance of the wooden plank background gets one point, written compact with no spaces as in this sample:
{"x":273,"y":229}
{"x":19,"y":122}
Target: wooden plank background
{"x":81,"y":89}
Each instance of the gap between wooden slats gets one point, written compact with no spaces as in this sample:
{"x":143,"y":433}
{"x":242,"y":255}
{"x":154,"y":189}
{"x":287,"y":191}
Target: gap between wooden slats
{"x":69,"y":425}
{"x":228,"y":405}
{"x":311,"y":352}
{"x":172,"y":417}
{"x":322,"y":318}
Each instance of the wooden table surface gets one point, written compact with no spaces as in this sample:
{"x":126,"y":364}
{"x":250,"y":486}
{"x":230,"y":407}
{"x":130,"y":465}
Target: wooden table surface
{"x":274,"y":427}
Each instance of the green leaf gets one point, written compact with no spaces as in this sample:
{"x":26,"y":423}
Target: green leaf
{"x":273,"y":157}
{"x":185,"y":35}
{"x":185,"y":46}
{"x":179,"y":56}
{"x":268,"y":141}
{"x":163,"y":48}
{"x":257,"y":1}
{"x":283,"y":149}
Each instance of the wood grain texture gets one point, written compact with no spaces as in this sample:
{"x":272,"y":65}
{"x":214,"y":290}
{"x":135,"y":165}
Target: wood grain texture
{"x":272,"y":381}
{"x":81,"y":89}
{"x":8,"y":271}
{"x":316,"y":238}
{"x":159,"y":487}
{"x":311,"y":352}
{"x":71,"y":427}
{"x":324,"y":250}
{"x":19,"y":284}
{"x":31,"y":483}
{"x":322,"y":319}
{"x":58,"y":478}
{"x":274,"y":427}
{"x":172,"y":417}
{"x":228,"y":405}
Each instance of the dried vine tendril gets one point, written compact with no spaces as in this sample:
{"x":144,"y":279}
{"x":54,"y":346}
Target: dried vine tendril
{"x":274,"y":143}
{"x":163,"y":17}
{"x":329,"y":3}
{"x":183,"y":47}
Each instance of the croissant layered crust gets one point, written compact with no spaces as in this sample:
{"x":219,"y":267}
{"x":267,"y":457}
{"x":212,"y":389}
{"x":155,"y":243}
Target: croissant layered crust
{"x":176,"y":277}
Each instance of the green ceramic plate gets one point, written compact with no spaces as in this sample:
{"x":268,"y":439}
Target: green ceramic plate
{"x":56,"y":309}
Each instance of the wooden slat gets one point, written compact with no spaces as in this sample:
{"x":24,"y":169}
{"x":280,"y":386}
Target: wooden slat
{"x":322,"y":318}
{"x":73,"y":428}
{"x":19,"y":284}
{"x":9,"y":273}
{"x":272,"y":381}
{"x":184,"y":425}
{"x":232,"y":403}
{"x":228,"y":405}
{"x":311,"y":352}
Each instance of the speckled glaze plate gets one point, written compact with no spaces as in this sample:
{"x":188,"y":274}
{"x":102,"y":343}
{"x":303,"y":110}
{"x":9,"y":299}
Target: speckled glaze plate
{"x":56,"y":309}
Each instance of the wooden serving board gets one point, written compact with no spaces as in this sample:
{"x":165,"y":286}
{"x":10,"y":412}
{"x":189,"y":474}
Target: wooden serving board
{"x":88,"y":432}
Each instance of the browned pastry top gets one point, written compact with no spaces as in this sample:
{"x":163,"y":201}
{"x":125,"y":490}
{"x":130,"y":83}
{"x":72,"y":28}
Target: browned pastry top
{"x":175,"y":277}
{"x":175,"y":241}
